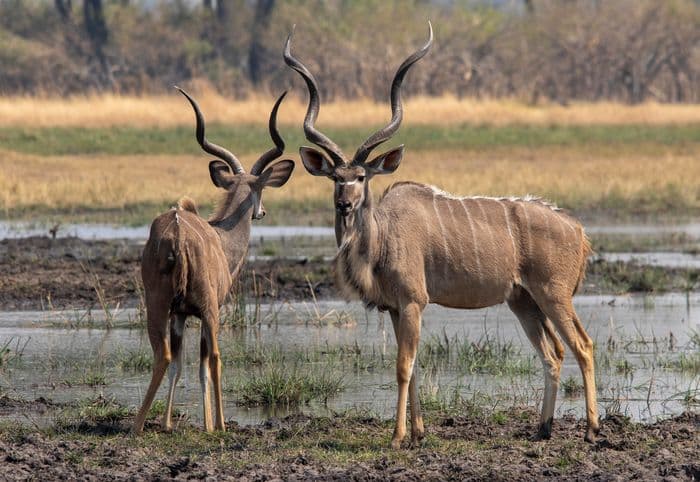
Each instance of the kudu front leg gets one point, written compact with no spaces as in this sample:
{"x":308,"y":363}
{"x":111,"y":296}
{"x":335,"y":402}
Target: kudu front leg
{"x":417,"y":427}
{"x":407,"y":331}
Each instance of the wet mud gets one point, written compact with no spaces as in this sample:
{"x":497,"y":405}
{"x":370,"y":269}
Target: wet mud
{"x":41,"y":273}
{"x":44,"y":273}
{"x":353,"y":447}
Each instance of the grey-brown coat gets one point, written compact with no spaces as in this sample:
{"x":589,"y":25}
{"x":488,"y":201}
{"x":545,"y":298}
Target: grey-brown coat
{"x":420,"y":245}
{"x":190,"y":263}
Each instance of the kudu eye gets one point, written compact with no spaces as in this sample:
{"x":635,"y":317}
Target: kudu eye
{"x":361,"y":178}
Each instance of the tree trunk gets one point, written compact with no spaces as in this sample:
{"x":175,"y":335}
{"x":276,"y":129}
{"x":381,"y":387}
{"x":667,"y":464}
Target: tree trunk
{"x":98,"y":34}
{"x":64,"y":8}
{"x":256,"y":53}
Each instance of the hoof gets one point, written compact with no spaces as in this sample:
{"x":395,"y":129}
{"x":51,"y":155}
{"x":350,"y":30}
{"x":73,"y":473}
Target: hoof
{"x":591,"y":434}
{"x":395,"y":444}
{"x":417,"y":440}
{"x":544,"y":431}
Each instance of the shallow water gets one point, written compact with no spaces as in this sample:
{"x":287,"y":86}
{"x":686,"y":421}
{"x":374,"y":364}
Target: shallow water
{"x":22,"y":229}
{"x":661,"y":259}
{"x":60,"y":351}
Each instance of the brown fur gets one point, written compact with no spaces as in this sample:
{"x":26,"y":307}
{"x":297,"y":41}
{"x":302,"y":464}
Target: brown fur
{"x":186,"y":203}
{"x":420,"y":245}
{"x":189,"y":265}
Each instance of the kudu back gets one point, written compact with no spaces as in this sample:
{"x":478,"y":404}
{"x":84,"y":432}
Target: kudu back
{"x":420,"y":245}
{"x":189,"y":265}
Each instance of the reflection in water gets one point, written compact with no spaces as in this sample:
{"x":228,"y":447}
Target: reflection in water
{"x":637,"y":341}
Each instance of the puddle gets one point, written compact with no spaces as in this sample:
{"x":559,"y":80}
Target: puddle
{"x":57,"y":360}
{"x":21,"y":229}
{"x":690,"y":229}
{"x":661,"y":259}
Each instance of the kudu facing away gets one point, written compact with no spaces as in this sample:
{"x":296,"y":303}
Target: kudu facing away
{"x":420,"y":245}
{"x":189,"y":265}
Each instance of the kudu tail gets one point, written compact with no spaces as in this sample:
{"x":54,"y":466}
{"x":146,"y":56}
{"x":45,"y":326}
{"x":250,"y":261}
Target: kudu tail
{"x":586,"y":251}
{"x":180,"y":266}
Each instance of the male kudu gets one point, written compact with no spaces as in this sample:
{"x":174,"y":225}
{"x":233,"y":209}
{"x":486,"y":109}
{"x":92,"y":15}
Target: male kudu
{"x":189,"y":265}
{"x":420,"y":245}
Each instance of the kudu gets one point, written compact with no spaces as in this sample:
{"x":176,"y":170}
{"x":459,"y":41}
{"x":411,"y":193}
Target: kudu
{"x":420,"y":245}
{"x":189,"y":265}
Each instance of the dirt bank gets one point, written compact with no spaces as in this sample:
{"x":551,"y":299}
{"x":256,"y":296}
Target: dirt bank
{"x":353,"y":447}
{"x":41,"y":273}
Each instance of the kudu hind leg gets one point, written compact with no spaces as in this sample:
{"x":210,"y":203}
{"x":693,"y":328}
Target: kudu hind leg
{"x":177,"y":331}
{"x":417,"y":426}
{"x":407,"y":332}
{"x":211,"y":368}
{"x":157,"y":324}
{"x":550,"y":350}
{"x":567,"y":323}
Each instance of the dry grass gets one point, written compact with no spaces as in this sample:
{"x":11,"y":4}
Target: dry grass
{"x":578,"y":180}
{"x":172,"y":110}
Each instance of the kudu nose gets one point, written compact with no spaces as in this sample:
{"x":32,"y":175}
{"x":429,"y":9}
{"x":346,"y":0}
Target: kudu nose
{"x":343,"y":206}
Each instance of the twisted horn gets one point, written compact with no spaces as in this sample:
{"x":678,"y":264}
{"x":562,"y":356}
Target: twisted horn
{"x":312,"y":134}
{"x":276,"y":151}
{"x":207,"y":146}
{"x":385,"y":134}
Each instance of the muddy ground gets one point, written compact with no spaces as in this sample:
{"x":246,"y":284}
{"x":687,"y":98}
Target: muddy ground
{"x":44,"y":273}
{"x":351,"y":447}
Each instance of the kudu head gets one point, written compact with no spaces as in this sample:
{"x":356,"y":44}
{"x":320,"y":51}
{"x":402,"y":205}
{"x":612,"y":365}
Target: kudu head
{"x":227,"y":171}
{"x":351,"y":176}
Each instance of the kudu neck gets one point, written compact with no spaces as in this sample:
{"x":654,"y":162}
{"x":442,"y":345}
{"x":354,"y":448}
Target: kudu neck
{"x":232,"y":223}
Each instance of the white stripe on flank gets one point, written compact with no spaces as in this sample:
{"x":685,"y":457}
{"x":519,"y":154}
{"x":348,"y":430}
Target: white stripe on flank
{"x":476,"y":248}
{"x":488,"y":226}
{"x":529,"y":233}
{"x":551,"y":238}
{"x":510,"y":231}
{"x":444,"y":239}
{"x":458,"y":241}
{"x":193,"y":229}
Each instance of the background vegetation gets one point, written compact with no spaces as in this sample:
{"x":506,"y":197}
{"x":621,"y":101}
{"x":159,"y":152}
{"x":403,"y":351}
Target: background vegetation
{"x":591,"y":104}
{"x":624,"y":50}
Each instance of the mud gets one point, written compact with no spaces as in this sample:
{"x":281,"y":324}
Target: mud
{"x":353,"y":447}
{"x":45,"y":273}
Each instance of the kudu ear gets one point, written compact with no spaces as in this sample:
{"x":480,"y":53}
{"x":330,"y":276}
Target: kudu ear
{"x":316,"y":163}
{"x":385,"y":163}
{"x":277,"y":174}
{"x":221,"y":174}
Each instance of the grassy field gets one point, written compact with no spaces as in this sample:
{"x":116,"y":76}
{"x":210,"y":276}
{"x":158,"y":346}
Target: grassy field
{"x":97,"y":165}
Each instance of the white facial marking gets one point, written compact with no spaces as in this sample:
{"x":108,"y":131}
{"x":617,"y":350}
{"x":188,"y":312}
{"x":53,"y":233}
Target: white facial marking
{"x":257,"y":205}
{"x":347,"y":183}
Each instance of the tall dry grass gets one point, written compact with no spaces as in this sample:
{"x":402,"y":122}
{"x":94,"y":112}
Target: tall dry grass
{"x":171,"y":110}
{"x":575,"y":179}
